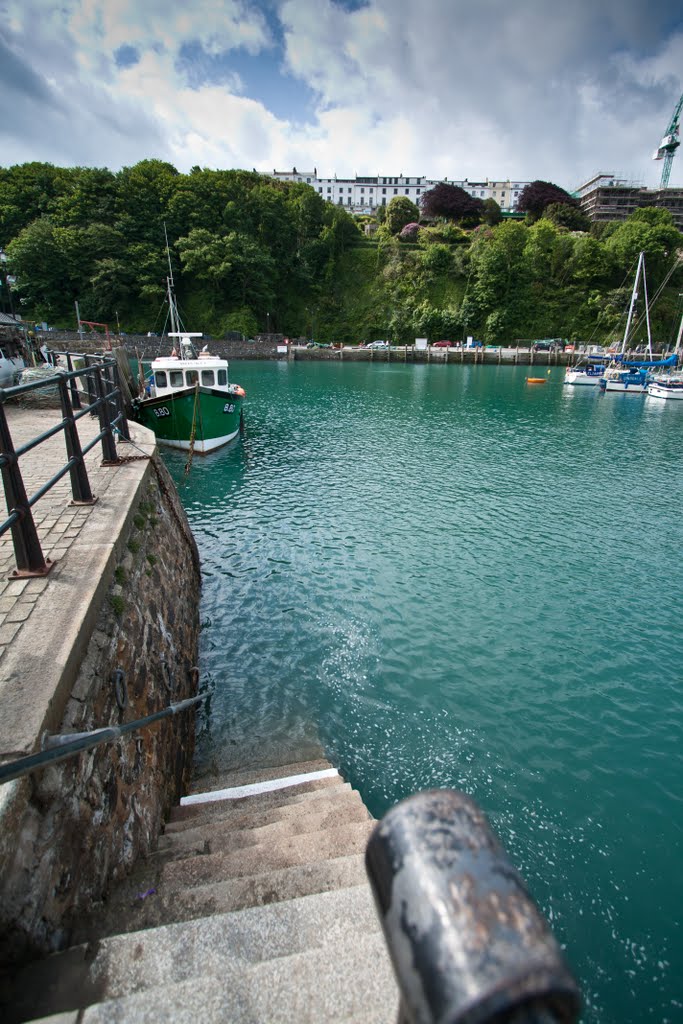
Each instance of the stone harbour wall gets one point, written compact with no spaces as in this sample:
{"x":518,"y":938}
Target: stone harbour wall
{"x":87,"y":819}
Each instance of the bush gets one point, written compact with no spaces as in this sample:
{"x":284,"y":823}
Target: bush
{"x":410,"y":232}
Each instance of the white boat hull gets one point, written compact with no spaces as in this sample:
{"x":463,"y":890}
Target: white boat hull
{"x":578,"y":378}
{"x":201,"y":447}
{"x":674,"y":391}
{"x":631,"y":389}
{"x":10,"y":370}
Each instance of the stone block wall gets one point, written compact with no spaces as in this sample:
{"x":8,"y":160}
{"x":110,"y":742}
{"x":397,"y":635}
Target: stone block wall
{"x":89,"y":818}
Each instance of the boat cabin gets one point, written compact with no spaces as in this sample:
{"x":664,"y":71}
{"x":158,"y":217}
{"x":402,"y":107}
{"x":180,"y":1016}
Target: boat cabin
{"x":171,"y":375}
{"x":179,"y":372}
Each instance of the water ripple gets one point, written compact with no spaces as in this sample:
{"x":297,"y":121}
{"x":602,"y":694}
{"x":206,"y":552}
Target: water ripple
{"x":447,"y":578}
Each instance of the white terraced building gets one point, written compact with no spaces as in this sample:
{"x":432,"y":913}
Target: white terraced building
{"x":365,"y":194}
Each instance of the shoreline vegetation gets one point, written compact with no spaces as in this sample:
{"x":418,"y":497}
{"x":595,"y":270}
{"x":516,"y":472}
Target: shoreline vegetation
{"x":253,"y":255}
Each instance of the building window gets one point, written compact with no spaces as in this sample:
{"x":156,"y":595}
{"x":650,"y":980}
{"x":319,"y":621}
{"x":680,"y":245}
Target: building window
{"x":341,"y":200}
{"x":328,"y":189}
{"x":384,"y":200}
{"x":418,"y":191}
{"x":349,"y":199}
{"x":407,"y":191}
{"x":320,"y":190}
{"x":349,"y":190}
{"x":384,"y":191}
{"x":395,"y":191}
{"x":362,"y":190}
{"x":308,"y":180}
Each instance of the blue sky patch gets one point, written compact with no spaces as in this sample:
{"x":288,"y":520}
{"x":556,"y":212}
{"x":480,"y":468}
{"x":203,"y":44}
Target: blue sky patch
{"x":262,"y":80}
{"x":126,"y":56}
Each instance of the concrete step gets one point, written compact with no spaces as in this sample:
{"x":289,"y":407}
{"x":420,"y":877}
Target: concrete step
{"x":224,"y":836}
{"x":243,"y":817}
{"x":250,"y":775}
{"x":343,"y":983}
{"x":124,"y":964}
{"x":272,"y":799}
{"x":286,"y":852}
{"x":168,"y":905}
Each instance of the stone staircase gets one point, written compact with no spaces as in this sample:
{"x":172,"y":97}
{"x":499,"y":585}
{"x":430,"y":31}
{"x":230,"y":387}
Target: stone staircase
{"x":254,"y":908}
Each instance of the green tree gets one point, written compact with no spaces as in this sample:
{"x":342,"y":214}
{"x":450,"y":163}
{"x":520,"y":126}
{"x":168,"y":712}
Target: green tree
{"x":400,"y":211}
{"x":567,"y":216}
{"x":656,"y":236}
{"x":491,"y":213}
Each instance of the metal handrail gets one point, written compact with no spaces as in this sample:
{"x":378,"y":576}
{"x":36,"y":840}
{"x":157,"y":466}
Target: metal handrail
{"x":468,"y":944}
{"x":107,"y":403}
{"x":62,"y":747}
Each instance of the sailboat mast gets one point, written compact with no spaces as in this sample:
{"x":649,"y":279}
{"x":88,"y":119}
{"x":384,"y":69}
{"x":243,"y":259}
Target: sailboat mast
{"x":634,"y":296}
{"x":647,"y":316}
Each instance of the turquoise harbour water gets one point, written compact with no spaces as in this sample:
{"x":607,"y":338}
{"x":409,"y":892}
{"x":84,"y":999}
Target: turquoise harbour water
{"x":449,"y":577}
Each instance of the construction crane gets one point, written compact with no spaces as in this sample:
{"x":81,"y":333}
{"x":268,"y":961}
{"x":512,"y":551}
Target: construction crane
{"x":669,"y":145}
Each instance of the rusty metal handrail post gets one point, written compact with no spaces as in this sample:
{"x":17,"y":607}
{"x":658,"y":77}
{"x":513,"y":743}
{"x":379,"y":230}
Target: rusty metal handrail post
{"x":109,"y":454}
{"x":27,"y":550}
{"x":90,"y":380}
{"x":467,"y":943}
{"x":73,"y":387}
{"x":80,"y":484}
{"x":121,"y":410}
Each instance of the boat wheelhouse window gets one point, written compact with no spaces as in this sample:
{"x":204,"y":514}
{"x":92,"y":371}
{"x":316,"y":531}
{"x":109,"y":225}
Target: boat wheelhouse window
{"x":160,"y":379}
{"x":222,"y":378}
{"x":207,"y":378}
{"x":191,"y":377}
{"x":176,"y":378}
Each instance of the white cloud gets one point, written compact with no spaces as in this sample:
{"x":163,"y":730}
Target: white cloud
{"x":444,"y":89}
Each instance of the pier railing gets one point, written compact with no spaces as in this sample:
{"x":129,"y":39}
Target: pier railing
{"x":60,"y":747}
{"x":92,"y":390}
{"x":467,"y":943}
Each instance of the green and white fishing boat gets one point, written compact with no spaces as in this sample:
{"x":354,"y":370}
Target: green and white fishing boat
{"x":187,"y":400}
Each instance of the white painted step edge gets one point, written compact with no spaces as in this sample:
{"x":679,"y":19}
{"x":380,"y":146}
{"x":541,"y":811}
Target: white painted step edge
{"x":237,"y":792}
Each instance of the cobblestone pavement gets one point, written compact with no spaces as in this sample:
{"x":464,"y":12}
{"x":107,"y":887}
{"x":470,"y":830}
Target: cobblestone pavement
{"x":60,"y":525}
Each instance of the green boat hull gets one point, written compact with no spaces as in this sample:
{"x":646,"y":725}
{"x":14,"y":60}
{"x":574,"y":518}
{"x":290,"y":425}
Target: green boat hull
{"x":214,"y":415}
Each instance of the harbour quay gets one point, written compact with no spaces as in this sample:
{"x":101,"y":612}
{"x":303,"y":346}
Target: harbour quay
{"x":105,"y":634}
{"x":277,"y":346}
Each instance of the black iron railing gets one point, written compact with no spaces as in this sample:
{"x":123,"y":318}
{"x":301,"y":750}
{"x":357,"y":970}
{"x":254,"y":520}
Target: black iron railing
{"x":467,"y":942}
{"x":60,"y":747}
{"x":104,"y":400}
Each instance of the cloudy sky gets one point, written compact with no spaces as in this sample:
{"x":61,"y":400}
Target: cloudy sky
{"x":441,"y":88}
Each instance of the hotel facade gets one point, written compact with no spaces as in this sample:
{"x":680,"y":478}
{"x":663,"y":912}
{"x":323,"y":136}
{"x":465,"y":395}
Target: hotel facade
{"x":366,"y":194}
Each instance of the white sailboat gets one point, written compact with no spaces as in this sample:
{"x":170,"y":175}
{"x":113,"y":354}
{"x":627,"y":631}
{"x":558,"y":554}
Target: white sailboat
{"x":630,"y":376}
{"x":669,"y":385}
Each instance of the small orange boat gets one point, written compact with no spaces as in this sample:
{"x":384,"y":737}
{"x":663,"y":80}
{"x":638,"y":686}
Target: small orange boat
{"x":536,"y":380}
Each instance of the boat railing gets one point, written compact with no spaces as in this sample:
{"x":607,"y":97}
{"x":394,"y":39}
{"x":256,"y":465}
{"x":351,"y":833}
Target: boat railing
{"x":59,"y":747}
{"x":95,"y":390}
{"x":466,"y":941}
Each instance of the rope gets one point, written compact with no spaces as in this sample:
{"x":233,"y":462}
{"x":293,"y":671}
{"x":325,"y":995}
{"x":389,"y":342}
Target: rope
{"x":193,"y":432}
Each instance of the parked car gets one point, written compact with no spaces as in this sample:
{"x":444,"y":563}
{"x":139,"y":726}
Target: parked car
{"x":552,"y":345}
{"x":378,"y":344}
{"x":442,"y":344}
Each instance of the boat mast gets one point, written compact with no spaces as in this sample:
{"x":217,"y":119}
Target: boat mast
{"x":170,"y":288}
{"x":634,"y":296}
{"x":647,"y":313}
